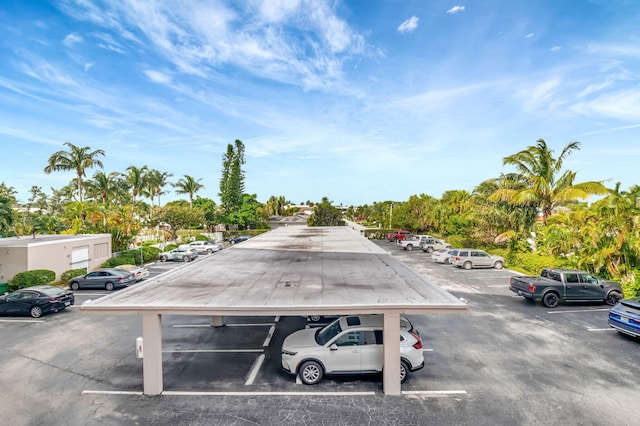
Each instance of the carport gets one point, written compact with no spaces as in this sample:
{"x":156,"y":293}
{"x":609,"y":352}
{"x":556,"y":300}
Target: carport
{"x":295,"y":270}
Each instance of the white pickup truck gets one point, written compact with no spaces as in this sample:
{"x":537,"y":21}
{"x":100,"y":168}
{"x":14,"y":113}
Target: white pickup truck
{"x":433,"y":244}
{"x":414,"y":241}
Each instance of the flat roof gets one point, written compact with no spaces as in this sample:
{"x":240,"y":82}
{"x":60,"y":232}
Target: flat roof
{"x":296,"y":270}
{"x":43,"y":239}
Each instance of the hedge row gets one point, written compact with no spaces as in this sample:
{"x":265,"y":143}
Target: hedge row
{"x":31,"y":278}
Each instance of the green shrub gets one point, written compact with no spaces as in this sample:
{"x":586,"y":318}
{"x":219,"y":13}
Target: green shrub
{"x":117,"y":261}
{"x":67,"y":275}
{"x":201,"y":237}
{"x":168,"y":247}
{"x":31,"y":278}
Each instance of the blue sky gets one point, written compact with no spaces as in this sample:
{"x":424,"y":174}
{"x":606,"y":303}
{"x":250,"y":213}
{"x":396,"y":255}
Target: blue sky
{"x":359,"y":101}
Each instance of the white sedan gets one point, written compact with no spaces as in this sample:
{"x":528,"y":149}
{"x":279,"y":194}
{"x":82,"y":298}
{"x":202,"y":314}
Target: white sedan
{"x":442,"y":256}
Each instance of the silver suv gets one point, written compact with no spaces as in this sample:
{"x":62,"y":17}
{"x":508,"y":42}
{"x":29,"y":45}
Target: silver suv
{"x":472,"y":258}
{"x":349,"y":345}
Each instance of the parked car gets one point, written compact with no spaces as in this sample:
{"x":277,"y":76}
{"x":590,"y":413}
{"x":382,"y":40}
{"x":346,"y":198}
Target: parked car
{"x":413,"y":241}
{"x":431,"y":244}
{"x":107,"y":278}
{"x":203,"y":247}
{"x":240,"y":239}
{"x":625,"y":316}
{"x":140,"y":272}
{"x":348,"y":345}
{"x":398,"y":235}
{"x":471,"y":258}
{"x":443,"y":255}
{"x":36,"y":301}
{"x":180,"y":254}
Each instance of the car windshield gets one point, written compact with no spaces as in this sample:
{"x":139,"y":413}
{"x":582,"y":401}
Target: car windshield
{"x":329,"y":332}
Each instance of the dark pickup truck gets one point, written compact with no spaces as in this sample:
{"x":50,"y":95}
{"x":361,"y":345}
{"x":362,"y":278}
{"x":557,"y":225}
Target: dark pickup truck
{"x":565,"y":285}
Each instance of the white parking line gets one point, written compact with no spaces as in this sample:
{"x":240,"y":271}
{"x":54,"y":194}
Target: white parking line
{"x":435,"y":393}
{"x":254,"y":370}
{"x":269,"y":336}
{"x":601,"y":329}
{"x":578,"y":310}
{"x":443,"y":393}
{"x":204,"y":351}
{"x":266,"y":324}
{"x":20,"y":320}
{"x":97,"y":392}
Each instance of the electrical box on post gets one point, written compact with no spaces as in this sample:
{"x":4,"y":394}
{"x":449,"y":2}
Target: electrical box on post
{"x":139,"y":347}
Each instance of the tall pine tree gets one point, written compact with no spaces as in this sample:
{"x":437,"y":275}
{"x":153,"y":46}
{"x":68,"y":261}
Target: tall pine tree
{"x":232,"y":180}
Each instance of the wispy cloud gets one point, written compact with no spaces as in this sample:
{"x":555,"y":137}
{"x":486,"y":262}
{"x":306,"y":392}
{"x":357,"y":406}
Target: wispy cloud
{"x":71,"y":40}
{"x":530,"y":35}
{"x":456,"y":9}
{"x":157,"y":76}
{"x":409,"y":25}
{"x":555,"y":49}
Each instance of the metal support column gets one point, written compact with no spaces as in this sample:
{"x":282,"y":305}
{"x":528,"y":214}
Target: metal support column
{"x":391,"y":371}
{"x":152,"y":359}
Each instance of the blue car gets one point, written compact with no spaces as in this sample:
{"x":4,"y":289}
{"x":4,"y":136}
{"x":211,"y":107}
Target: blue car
{"x":625,"y":316}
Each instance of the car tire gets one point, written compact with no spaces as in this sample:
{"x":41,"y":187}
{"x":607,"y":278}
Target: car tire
{"x":74,"y":285}
{"x":409,"y":247}
{"x":310,"y":372}
{"x":36,"y":312}
{"x":467,"y":265}
{"x":163,"y":258}
{"x":315,"y":318}
{"x":209,"y":251}
{"x":185,"y":258}
{"x":404,"y":371}
{"x":551,"y":299}
{"x":613,"y":298}
{"x":429,"y":250}
{"x":498,"y":265}
{"x":109,"y":286}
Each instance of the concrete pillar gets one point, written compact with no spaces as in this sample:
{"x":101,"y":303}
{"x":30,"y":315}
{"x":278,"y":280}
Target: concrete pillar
{"x":217,"y":321}
{"x":152,"y":358}
{"x":391,"y":371}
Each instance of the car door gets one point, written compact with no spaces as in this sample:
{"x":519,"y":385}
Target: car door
{"x":345,"y":352}
{"x":94,"y":279}
{"x":10,"y":304}
{"x":372,"y":356}
{"x":590,"y":287}
{"x":21,"y":302}
{"x":573,"y":288}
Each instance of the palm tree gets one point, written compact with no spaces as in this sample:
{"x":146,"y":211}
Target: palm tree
{"x":156,"y":180}
{"x":188,"y":185}
{"x":78,"y":159}
{"x":136,"y":182}
{"x":545,"y":190}
{"x":102,"y":186}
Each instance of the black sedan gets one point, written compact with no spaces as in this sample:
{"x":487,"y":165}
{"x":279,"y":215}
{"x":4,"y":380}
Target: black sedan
{"x":240,"y":239}
{"x":36,"y":301}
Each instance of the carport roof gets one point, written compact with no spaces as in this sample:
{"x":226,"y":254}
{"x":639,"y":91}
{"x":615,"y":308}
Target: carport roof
{"x":294,"y":270}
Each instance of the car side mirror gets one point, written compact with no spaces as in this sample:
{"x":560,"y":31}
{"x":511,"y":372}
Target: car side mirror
{"x":333,"y":347}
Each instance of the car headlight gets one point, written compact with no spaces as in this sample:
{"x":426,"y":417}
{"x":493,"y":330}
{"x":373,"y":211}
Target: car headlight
{"x":285,"y":352}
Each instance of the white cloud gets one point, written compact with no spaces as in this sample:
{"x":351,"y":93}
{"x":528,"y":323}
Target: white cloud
{"x":88,"y":66}
{"x":555,"y":49}
{"x":456,"y":9}
{"x":530,"y":35}
{"x":71,"y":39}
{"x":157,"y":76}
{"x":409,"y":25}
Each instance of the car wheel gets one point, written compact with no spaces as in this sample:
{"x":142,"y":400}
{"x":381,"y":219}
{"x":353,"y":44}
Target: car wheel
{"x":551,"y":300}
{"x":74,"y":285}
{"x":446,"y":261}
{"x":613,"y":298}
{"x":163,"y":258}
{"x":404,"y":371}
{"x":310,"y":373}
{"x":498,"y":265}
{"x":209,"y":251}
{"x":36,"y":312}
{"x":109,"y":286}
{"x":429,"y":250}
{"x":315,"y":318}
{"x":467,"y":265}
{"x":409,"y":247}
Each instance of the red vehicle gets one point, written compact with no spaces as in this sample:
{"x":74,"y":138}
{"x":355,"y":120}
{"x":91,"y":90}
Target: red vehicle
{"x":398,"y":235}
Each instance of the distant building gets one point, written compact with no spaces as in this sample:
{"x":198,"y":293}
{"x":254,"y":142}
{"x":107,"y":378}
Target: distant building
{"x":58,"y":253}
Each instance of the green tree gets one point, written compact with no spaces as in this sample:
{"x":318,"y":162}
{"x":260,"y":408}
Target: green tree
{"x":232,"y":180}
{"x":156,"y":181}
{"x":209,"y":209}
{"x":78,"y":159}
{"x":325,"y":214}
{"x":135,"y":180}
{"x":249,"y":213}
{"x":6,"y":215}
{"x":546,"y":188}
{"x":104,"y":187}
{"x":188,"y":185}
{"x":179,"y":217}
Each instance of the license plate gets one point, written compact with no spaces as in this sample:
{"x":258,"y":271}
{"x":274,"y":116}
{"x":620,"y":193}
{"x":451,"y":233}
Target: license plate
{"x":67,"y":303}
{"x":624,"y":319}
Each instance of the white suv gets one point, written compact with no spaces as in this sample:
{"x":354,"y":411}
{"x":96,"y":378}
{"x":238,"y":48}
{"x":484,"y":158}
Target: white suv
{"x":203,"y":247}
{"x":349,"y":345}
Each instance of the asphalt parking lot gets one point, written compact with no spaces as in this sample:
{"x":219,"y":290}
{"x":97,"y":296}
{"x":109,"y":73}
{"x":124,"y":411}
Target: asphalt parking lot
{"x":506,"y":362}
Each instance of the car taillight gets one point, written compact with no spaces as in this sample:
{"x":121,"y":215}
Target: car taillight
{"x":532,"y":288}
{"x":418,"y":344}
{"x":457,"y":258}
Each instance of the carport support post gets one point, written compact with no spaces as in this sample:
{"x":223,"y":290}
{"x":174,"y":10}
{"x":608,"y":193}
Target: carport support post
{"x":152,"y":350}
{"x":217,"y":321}
{"x":391,"y":370}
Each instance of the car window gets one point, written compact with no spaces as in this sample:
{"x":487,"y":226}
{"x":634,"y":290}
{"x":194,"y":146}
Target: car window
{"x":369,"y":338}
{"x":463,"y":253}
{"x":350,"y":338}
{"x":93,"y":274}
{"x":571,"y":278}
{"x":27,"y":295}
{"x":378,"y":334}
{"x":589,"y":279}
{"x":329,"y":332}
